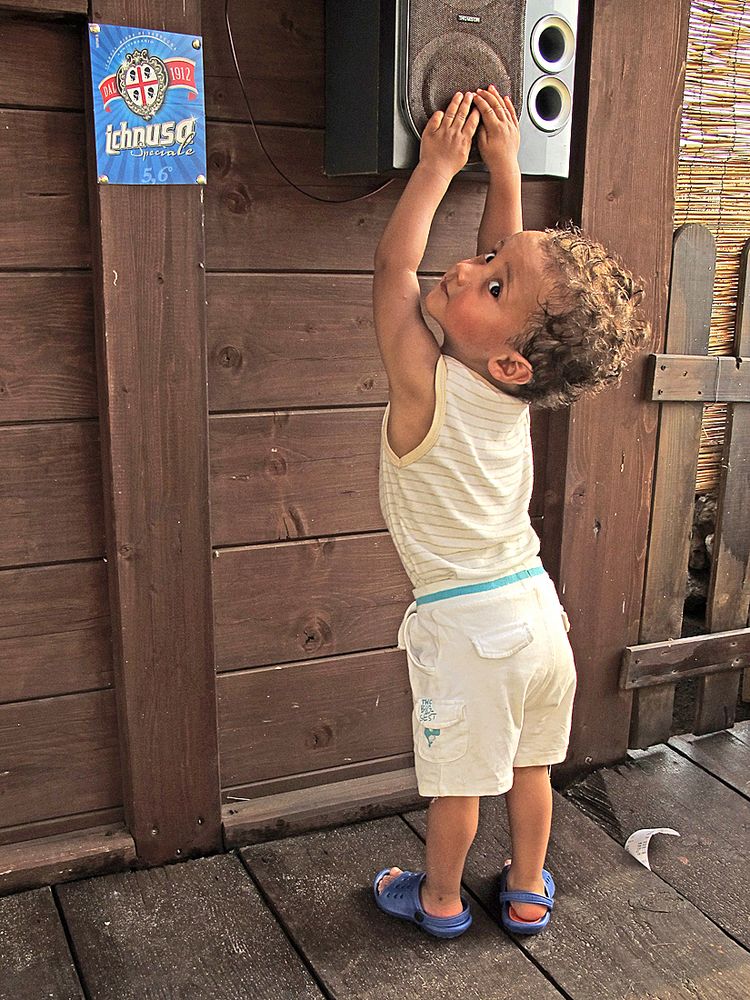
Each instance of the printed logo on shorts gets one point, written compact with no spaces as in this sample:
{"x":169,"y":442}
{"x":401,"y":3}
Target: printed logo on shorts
{"x":431,"y":735}
{"x":426,"y":712}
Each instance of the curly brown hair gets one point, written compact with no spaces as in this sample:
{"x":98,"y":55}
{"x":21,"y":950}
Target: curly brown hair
{"x":580,"y":340}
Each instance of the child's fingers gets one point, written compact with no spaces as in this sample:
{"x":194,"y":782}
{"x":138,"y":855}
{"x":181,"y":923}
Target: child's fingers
{"x":452,"y":109}
{"x":462,"y":112}
{"x":495,"y":106}
{"x":471,"y":123}
{"x":435,"y":121}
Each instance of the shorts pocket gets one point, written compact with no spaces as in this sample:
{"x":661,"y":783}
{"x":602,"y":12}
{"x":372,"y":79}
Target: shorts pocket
{"x":419,"y":642}
{"x":440,"y":730}
{"x":505,"y":641}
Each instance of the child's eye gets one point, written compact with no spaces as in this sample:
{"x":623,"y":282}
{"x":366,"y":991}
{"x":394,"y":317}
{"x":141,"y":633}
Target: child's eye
{"x":489,"y":256}
{"x":495,"y":287}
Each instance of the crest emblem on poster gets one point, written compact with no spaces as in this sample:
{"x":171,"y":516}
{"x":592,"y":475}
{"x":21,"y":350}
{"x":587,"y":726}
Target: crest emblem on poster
{"x":149,"y":109}
{"x":142,"y":81}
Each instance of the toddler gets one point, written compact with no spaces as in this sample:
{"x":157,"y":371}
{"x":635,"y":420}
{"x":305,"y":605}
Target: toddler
{"x":536,"y":319}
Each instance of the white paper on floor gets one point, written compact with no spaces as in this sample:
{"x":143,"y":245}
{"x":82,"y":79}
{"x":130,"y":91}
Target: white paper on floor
{"x":637,"y":843}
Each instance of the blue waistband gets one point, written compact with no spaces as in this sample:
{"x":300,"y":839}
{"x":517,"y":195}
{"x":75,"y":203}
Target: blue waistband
{"x":475,"y":588}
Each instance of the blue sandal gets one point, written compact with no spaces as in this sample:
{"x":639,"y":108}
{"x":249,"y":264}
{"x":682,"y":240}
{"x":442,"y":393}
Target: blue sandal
{"x":518,"y":896}
{"x":401,"y":899}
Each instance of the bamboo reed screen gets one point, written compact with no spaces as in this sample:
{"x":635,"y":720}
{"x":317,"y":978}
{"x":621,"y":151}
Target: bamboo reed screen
{"x":713,"y":174}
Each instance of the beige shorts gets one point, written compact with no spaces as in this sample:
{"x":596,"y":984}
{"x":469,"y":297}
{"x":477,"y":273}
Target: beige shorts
{"x":493,"y":679}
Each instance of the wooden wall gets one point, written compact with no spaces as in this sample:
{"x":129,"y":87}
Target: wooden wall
{"x":59,"y":756}
{"x":308,"y":590}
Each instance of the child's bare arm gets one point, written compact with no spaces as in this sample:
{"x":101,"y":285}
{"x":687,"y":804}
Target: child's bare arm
{"x":499,"y":139}
{"x":406,"y":344}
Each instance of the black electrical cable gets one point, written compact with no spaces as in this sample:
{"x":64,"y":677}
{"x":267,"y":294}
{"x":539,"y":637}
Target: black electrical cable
{"x":328,"y":201}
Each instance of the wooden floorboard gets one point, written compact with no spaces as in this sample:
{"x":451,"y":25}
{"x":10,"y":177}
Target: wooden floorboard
{"x":320,"y":887}
{"x":35,"y":960}
{"x":181,"y":932}
{"x":726,"y":754}
{"x":617,"y":930}
{"x":708,"y":864}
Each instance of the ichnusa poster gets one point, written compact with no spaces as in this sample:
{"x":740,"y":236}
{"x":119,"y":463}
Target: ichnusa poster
{"x":149,"y":106}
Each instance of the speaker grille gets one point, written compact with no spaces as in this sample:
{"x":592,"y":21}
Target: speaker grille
{"x":447,"y":53}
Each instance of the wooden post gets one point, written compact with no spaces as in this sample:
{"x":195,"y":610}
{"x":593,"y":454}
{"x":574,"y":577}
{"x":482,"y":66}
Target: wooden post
{"x":729,"y":592}
{"x":688,"y":328}
{"x":151,"y":356}
{"x":635,"y":93}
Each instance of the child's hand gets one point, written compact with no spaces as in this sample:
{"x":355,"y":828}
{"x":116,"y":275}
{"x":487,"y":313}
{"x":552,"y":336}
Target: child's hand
{"x":446,"y":140}
{"x":499,"y":136}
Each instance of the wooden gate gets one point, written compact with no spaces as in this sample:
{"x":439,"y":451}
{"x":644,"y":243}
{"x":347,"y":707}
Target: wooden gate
{"x":682,"y":381}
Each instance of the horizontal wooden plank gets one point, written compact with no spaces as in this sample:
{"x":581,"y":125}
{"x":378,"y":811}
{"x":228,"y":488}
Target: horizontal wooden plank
{"x":255,"y":220}
{"x":59,"y":756}
{"x":725,"y":755}
{"x":51,"y":44}
{"x":47,"y":362}
{"x":288,"y":89}
{"x":311,"y":779}
{"x":51,"y":493}
{"x":707,"y":865}
{"x":668,"y":661}
{"x":308,"y":716}
{"x":35,"y":960}
{"x":55,"y":630}
{"x":51,"y":860}
{"x":293,"y":475}
{"x":716,"y":379}
{"x":45,"y":220}
{"x":58,"y":825}
{"x":53,"y":7}
{"x":268,"y":349}
{"x":327,"y":805}
{"x":295,"y":600}
{"x":198,"y":929}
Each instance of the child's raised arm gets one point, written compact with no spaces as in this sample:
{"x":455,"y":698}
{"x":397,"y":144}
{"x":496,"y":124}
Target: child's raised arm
{"x":499,"y":139}
{"x":406,"y":344}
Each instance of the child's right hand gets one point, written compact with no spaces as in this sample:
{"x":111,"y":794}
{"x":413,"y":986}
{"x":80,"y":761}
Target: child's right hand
{"x":446,"y":140}
{"x":499,"y":136}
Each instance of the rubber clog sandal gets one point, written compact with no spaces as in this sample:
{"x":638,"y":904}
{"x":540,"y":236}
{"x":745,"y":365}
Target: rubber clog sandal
{"x":507,"y":897}
{"x":400,"y":898}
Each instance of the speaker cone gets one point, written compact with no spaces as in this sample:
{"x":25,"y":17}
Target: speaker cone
{"x":549,"y":103}
{"x":552,"y":43}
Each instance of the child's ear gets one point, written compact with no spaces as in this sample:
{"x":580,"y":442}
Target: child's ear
{"x":512,"y":368}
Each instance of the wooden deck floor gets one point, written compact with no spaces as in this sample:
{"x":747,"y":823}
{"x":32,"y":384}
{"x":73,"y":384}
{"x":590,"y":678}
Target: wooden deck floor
{"x":295,"y":919}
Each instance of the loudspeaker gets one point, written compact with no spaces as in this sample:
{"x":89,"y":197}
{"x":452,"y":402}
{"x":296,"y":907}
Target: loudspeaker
{"x":391,"y":63}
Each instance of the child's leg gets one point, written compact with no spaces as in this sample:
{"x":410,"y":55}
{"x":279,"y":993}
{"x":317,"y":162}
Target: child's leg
{"x":529,"y":804}
{"x":451,"y":828}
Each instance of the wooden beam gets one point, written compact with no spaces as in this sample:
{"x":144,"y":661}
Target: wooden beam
{"x":673,"y":502}
{"x":151,"y":357}
{"x":729,"y":587}
{"x":716,"y":379}
{"x":627,"y":204}
{"x":653,"y":663}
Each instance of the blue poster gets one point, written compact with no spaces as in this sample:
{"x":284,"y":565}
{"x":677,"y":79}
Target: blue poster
{"x":149,"y":105}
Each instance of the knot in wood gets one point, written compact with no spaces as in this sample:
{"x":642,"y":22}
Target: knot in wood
{"x":230,"y":357}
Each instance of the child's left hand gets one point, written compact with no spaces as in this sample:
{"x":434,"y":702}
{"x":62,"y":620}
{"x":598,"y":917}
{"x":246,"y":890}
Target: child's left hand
{"x":446,"y":140}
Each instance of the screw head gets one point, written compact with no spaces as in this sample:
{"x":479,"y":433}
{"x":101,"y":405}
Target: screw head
{"x":200,"y":179}
{"x":103,"y":179}
{"x":94,"y":29}
{"x":196,"y":43}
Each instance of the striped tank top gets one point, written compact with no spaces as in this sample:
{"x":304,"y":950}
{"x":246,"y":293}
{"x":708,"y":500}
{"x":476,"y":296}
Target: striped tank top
{"x":457,"y":506}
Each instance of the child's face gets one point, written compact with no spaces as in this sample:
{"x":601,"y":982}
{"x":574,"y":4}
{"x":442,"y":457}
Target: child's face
{"x":483,"y":303}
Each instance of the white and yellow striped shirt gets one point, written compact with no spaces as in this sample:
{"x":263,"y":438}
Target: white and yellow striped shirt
{"x":457,"y":506}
